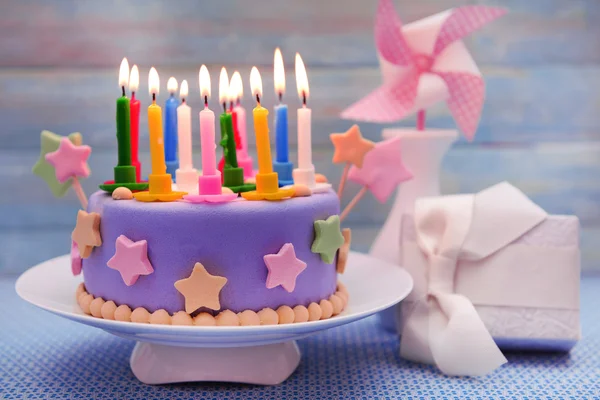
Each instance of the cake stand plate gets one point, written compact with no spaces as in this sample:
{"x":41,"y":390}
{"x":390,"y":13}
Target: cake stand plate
{"x":247,"y":354}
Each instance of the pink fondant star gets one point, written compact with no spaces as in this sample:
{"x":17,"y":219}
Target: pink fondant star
{"x":69,"y":160}
{"x":382,"y":169}
{"x":130,"y":259}
{"x":283,"y":268}
{"x":76,"y":259}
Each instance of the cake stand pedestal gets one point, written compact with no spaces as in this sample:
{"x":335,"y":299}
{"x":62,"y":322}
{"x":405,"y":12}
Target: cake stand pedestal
{"x":263,"y":354}
{"x":268,"y":364}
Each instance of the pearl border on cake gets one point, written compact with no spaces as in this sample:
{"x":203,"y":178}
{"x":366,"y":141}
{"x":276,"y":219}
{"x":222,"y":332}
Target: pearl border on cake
{"x":325,"y":309}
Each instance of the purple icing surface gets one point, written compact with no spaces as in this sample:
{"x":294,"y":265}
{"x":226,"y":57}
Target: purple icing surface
{"x":229,"y":239}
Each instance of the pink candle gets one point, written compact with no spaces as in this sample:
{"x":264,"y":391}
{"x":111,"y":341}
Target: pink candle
{"x":241,"y":125}
{"x":207,"y":127}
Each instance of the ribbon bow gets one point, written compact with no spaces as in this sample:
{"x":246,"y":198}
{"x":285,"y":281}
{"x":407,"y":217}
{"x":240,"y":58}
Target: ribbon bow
{"x":443,"y":327}
{"x":426,"y":62}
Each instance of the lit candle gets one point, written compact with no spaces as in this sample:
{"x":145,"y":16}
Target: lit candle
{"x":123,"y":119}
{"x":184,"y":129}
{"x":124,"y":172}
{"x":281,"y":110}
{"x":227,"y":138}
{"x":207,"y":127}
{"x":170,"y":130}
{"x":209,"y":183}
{"x":155,"y":127}
{"x":304,"y":118}
{"x":261,"y":125}
{"x":134,"y":114}
{"x":267,"y":183}
{"x":159,"y":181}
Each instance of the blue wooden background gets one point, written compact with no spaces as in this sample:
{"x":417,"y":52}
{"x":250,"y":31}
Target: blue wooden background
{"x":59,"y":63}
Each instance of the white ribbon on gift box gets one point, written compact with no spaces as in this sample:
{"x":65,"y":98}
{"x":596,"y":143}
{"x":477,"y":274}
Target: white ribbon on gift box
{"x":442,"y":326}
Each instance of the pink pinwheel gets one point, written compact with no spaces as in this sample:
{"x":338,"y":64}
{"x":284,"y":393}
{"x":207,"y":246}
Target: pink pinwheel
{"x":426,"y":62}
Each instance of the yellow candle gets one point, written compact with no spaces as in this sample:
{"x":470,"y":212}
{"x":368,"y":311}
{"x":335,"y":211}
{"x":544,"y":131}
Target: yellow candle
{"x":155,"y":126}
{"x":157,"y":146}
{"x":263,"y":146}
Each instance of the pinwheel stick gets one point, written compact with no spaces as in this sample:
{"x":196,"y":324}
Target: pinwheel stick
{"x":353,"y":202}
{"x":421,"y":120}
{"x":79,"y":192}
{"x":343,"y":180}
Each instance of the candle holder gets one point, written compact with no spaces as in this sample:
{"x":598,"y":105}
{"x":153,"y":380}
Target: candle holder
{"x":284,"y":171}
{"x":186,"y":179}
{"x":172,"y":167}
{"x":233,"y":178}
{"x":159,"y":189}
{"x":209,"y":191}
{"x":306,"y":177}
{"x":125,"y":176}
{"x":246,"y":163}
{"x":267,"y":188}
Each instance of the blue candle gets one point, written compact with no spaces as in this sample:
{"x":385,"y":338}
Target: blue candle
{"x":170,"y":131}
{"x":281,"y":131}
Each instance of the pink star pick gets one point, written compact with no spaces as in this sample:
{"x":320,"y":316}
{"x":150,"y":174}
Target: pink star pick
{"x":69,"y":160}
{"x":283,"y":268}
{"x":130,"y":259}
{"x":382,"y":170}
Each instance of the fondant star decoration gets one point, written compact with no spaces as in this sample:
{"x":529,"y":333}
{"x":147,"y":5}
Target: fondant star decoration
{"x":49,"y":142}
{"x":76,"y":260}
{"x":343,"y":252}
{"x":328,"y":238}
{"x":350,"y":146}
{"x":382,"y":170}
{"x":284,"y":267}
{"x":201,"y":289}
{"x":130,"y":259}
{"x":87,"y":232}
{"x":69,"y":160}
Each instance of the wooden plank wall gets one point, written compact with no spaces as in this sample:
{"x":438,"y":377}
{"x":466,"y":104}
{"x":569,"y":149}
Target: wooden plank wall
{"x":59,"y":62}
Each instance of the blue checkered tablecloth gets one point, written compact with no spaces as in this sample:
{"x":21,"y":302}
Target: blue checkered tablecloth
{"x":44,"y":356}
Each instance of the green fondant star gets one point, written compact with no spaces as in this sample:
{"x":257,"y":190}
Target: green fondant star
{"x":42,"y":168}
{"x":328,"y":238}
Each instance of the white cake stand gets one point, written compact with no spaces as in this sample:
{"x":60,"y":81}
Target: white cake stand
{"x":254,"y":354}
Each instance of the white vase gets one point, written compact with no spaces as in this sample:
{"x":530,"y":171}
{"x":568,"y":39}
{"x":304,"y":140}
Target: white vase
{"x":422,"y":153}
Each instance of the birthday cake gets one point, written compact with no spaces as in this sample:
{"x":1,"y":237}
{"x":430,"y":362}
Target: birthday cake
{"x":222,"y":247}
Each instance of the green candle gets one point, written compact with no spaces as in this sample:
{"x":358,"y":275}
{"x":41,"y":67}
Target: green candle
{"x":228,"y":141}
{"x":123,"y":131}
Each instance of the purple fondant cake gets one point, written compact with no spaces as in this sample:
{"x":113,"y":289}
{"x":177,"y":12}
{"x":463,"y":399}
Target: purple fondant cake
{"x":230,"y":240}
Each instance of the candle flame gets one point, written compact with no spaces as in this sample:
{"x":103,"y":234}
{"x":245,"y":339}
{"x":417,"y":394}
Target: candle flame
{"x":172,"y":85}
{"x":301,"y":79}
{"x":223,"y":86}
{"x":183,"y":91}
{"x":255,"y":82}
{"x":236,"y":88}
{"x":153,"y":82}
{"x":279,"y":73}
{"x":124,"y":73}
{"x":134,"y":79}
{"x":204,"y":78}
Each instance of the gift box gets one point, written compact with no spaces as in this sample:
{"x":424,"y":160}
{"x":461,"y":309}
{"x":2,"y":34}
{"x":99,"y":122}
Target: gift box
{"x":491,"y":271}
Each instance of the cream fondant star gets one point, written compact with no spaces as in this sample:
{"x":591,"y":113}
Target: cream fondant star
{"x":350,"y":146}
{"x":87,"y":232}
{"x":201,"y":289}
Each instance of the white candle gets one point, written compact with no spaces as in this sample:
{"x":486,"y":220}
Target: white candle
{"x":207,"y":127}
{"x":184,"y":129}
{"x":304,"y":118}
